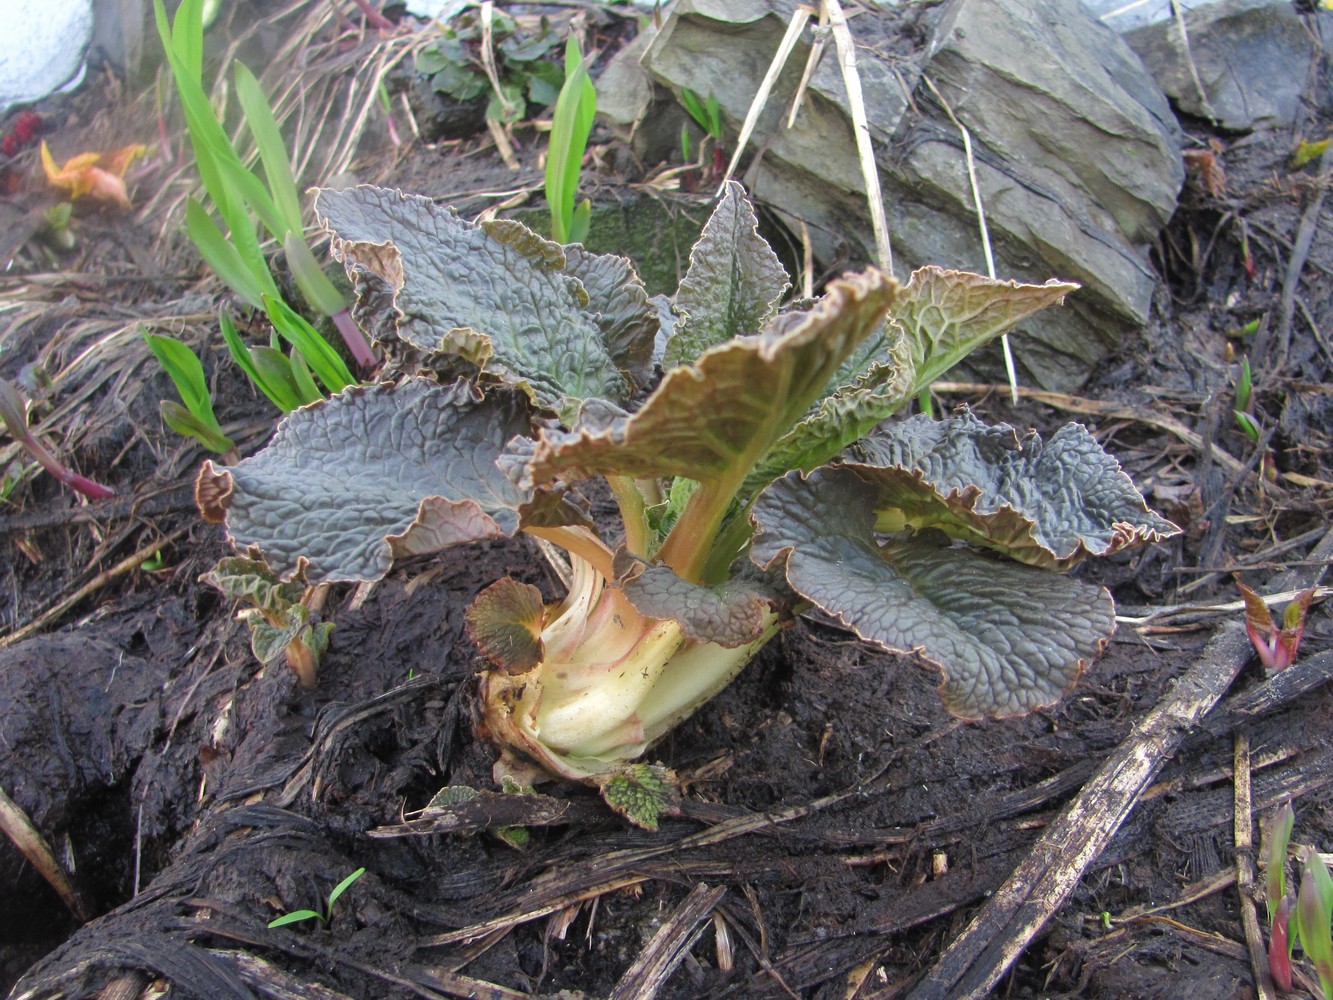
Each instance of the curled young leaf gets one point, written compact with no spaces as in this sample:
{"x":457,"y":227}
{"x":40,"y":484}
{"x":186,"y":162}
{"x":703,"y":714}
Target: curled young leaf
{"x":729,"y":614}
{"x":733,"y":284}
{"x":937,"y":320}
{"x":1045,"y":503}
{"x":1008,"y":638}
{"x":712,"y":420}
{"x":373,"y":474}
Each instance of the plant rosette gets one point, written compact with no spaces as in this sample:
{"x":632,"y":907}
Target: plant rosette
{"x":756,"y":478}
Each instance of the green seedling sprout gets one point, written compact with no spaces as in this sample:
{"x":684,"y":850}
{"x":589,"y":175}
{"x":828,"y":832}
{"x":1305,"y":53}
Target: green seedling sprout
{"x":1281,"y":936}
{"x":14,"y":414}
{"x":1244,"y":396}
{"x":325,"y":917}
{"x":707,"y":114}
{"x":1276,"y":645}
{"x":1314,"y":905}
{"x":193,"y":416}
{"x":285,"y":381}
{"x":570,"y":127}
{"x":240,"y":197}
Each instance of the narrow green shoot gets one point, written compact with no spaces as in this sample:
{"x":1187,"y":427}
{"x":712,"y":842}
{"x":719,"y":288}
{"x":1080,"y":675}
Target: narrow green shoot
{"x":297,"y":331}
{"x":195,"y":418}
{"x":707,"y":114}
{"x":269,"y":369}
{"x":1244,"y":397}
{"x":1315,"y":907}
{"x":571,"y":125}
{"x":325,"y":917}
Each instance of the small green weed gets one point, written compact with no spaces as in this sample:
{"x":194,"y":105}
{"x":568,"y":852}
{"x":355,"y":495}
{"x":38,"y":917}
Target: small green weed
{"x":325,"y":916}
{"x":575,"y":109}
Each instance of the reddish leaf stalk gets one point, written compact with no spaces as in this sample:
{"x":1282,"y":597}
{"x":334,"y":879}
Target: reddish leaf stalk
{"x":1279,"y":947}
{"x":14,"y":415}
{"x":354,"y":339}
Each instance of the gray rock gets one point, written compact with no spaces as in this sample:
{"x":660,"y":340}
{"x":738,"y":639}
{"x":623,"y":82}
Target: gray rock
{"x":1253,"y":57}
{"x":41,"y":52}
{"x":1077,"y":153}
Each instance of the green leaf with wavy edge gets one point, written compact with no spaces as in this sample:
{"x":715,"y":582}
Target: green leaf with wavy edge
{"x":711,"y":421}
{"x":940,"y":317}
{"x":1008,"y":638}
{"x":251,"y":580}
{"x":733,"y":284}
{"x":370,"y":475}
{"x":1046,"y":503}
{"x":497,"y":295}
{"x":642,"y":793}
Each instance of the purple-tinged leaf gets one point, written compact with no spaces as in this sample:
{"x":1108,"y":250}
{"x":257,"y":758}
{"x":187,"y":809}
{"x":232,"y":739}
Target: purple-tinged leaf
{"x":1045,"y":503}
{"x":1279,"y":946}
{"x":497,"y":295}
{"x":373,"y":474}
{"x":1008,"y":638}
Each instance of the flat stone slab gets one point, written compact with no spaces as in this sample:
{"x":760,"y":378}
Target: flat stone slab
{"x":1076,"y":151}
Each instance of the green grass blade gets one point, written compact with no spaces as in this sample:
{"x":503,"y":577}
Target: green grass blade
{"x":342,"y":887}
{"x":276,"y":370}
{"x":570,"y":127}
{"x":294,"y":917}
{"x":187,"y":424}
{"x":305,"y":385}
{"x":580,"y":222}
{"x":323,"y":359}
{"x":239,"y":274}
{"x":272,"y":150}
{"x":310,"y":278}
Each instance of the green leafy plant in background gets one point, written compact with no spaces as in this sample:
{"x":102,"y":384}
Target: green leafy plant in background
{"x":571,"y":125}
{"x":193,"y":416}
{"x":324,"y":916}
{"x":526,"y":62}
{"x":707,"y":114}
{"x":14,"y":416}
{"x":240,"y":198}
{"x":755,"y":479}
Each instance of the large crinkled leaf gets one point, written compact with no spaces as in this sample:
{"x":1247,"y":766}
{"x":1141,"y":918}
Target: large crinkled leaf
{"x":940,"y":317}
{"x":620,"y":306}
{"x":729,"y":614}
{"x":1008,"y":638}
{"x":1046,"y":503}
{"x":372,"y":474}
{"x":733,"y":284}
{"x":712,"y":420}
{"x":497,"y":295}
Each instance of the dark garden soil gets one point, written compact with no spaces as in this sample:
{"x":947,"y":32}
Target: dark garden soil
{"x":838,"y":831}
